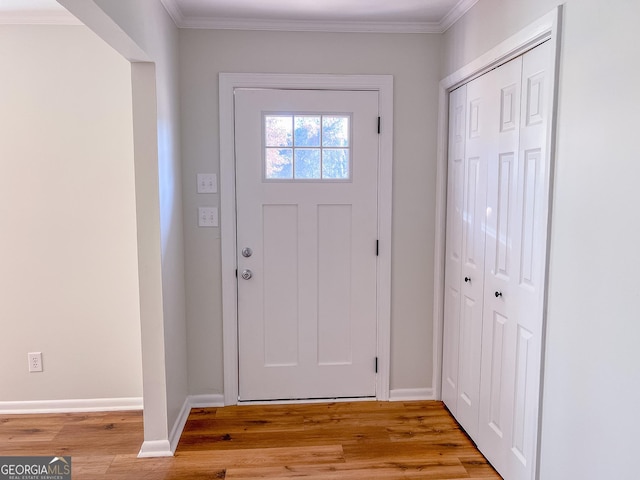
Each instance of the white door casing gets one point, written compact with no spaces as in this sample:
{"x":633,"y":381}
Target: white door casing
{"x":307,"y":315}
{"x":383,"y":84}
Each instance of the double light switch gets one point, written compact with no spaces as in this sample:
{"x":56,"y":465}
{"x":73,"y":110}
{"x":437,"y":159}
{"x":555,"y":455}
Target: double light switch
{"x":207,"y":183}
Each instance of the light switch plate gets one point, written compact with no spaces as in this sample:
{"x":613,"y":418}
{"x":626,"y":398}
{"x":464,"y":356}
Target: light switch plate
{"x":207,"y":216}
{"x":207,"y":183}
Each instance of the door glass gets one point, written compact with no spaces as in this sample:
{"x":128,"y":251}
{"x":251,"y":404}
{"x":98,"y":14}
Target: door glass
{"x":307,"y":147}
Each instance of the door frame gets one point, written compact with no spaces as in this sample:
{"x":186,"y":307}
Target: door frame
{"x":546,"y":28}
{"x":228,"y":83}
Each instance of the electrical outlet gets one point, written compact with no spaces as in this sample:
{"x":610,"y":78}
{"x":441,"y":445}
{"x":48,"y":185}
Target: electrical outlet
{"x":35,"y":361}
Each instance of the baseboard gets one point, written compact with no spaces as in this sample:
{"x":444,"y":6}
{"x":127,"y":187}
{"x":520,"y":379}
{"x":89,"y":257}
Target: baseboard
{"x":155,"y":448}
{"x":408,"y":394}
{"x":178,"y":426}
{"x":71,"y":406}
{"x":206,"y":401}
{"x":192,"y":401}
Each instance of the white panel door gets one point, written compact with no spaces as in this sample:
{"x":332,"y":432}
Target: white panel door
{"x":501,"y":269}
{"x":477,"y":152}
{"x":306,"y":169}
{"x":453,"y":253}
{"x":530,"y":255}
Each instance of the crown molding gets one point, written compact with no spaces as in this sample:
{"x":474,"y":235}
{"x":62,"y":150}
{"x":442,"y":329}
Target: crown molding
{"x":38,"y":18}
{"x":172,"y":8}
{"x":218,"y":23}
{"x":310,"y":25}
{"x":456,"y":13}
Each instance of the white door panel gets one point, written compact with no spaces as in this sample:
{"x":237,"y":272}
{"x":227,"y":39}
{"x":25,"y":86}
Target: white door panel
{"x":500,"y":278}
{"x":307,"y":316}
{"x":479,"y":110}
{"x":453,"y":254}
{"x":530,"y":254}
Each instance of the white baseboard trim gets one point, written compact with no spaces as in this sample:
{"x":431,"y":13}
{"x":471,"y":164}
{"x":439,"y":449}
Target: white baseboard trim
{"x":155,"y":448}
{"x":408,"y":394}
{"x":71,"y":406}
{"x":206,"y":401}
{"x":178,"y":426}
{"x":166,"y":448}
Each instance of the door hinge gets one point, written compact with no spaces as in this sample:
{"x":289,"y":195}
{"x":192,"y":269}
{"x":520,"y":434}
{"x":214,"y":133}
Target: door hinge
{"x":376,"y":364}
{"x":377,"y":248}
{"x":379,"y":125}
{"x":236,"y":273}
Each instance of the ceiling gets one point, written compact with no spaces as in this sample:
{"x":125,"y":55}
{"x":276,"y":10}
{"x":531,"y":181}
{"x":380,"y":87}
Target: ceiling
{"x":426,"y":16}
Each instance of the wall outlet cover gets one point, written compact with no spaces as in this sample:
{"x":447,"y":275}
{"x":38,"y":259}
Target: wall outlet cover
{"x":35,"y":361}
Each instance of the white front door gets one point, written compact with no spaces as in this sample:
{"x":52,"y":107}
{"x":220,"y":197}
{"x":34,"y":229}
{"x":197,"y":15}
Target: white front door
{"x":306,"y":187}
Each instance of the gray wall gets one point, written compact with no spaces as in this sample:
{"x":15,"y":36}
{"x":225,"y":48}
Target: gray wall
{"x":413,"y":60}
{"x":592,"y":380}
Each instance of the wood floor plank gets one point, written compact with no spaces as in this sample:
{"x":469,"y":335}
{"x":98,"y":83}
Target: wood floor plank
{"x":264,"y":457}
{"x":359,"y":470}
{"x":16,"y":429}
{"x":133,"y":467}
{"x":232,"y":441}
{"x":92,"y":465}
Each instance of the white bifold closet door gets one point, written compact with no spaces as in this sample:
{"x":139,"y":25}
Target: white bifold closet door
{"x":497,"y":213}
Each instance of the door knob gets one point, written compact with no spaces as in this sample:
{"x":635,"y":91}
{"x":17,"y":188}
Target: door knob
{"x":247,"y":252}
{"x":498,"y":294}
{"x":467,"y":279}
{"x":247,"y":274}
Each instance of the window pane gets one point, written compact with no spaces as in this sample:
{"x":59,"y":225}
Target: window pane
{"x":335,"y":131}
{"x":279,"y":163}
{"x":307,"y":131}
{"x":307,"y":163}
{"x":335,"y":163}
{"x":278,"y":130}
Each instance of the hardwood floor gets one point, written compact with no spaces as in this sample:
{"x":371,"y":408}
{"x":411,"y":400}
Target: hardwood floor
{"x":342,"y":441}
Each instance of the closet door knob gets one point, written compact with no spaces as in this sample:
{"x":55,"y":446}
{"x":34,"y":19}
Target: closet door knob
{"x":498,"y":294}
{"x":467,"y":279}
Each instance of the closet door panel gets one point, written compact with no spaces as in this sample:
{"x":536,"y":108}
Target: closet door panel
{"x":453,"y":254}
{"x":479,"y":111}
{"x":500,"y":312}
{"x":530,"y":257}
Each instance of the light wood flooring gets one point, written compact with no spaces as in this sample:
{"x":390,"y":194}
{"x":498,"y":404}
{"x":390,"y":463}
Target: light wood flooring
{"x":342,"y":441}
